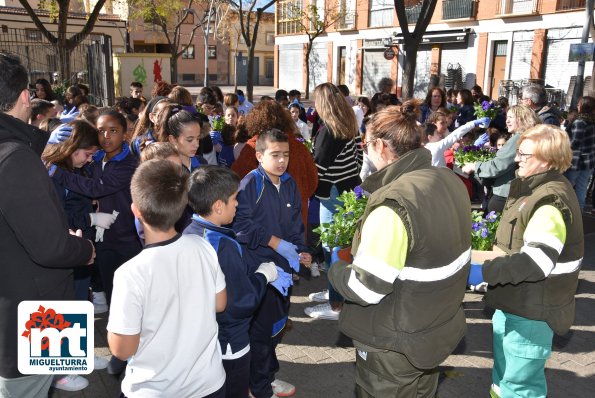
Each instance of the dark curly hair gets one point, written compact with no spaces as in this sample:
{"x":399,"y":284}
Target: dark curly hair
{"x":267,"y":115}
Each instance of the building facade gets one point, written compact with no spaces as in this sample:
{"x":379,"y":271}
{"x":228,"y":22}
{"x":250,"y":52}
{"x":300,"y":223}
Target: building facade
{"x":498,"y":44}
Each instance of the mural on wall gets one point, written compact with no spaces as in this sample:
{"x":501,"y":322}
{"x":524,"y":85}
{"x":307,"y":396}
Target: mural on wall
{"x":157,"y":71}
{"x":140,"y":74}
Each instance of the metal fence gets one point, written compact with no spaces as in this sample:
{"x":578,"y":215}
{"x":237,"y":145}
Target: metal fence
{"x":90,"y":61}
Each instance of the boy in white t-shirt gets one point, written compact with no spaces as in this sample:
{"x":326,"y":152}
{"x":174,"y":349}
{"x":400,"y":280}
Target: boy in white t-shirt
{"x":162,"y":316}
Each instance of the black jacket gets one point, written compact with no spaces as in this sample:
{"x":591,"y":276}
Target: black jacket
{"x":37,"y":253}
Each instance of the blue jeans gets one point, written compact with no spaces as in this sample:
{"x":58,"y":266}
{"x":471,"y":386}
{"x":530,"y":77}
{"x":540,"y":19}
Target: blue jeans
{"x":580,"y":180}
{"x":327,"y":209}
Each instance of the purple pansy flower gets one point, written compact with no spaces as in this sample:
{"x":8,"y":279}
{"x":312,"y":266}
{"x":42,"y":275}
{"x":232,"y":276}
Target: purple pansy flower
{"x":485,"y":105}
{"x":484,"y":233}
{"x":359,"y":192}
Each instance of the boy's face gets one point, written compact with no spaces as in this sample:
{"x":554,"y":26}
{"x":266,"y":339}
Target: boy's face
{"x":275,"y":159}
{"x":228,"y":210}
{"x":136,"y":92}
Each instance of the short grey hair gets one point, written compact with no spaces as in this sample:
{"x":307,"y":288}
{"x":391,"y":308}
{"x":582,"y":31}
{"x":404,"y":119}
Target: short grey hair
{"x":536,"y":94}
{"x":386,"y":83}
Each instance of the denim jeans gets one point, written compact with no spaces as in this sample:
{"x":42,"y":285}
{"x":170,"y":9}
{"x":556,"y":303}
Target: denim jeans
{"x":580,"y":180}
{"x":327,"y":209}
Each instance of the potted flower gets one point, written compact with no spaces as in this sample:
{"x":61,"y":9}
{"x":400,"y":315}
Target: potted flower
{"x":486,"y":109}
{"x":483,"y":233}
{"x":340,"y":232}
{"x":473,"y":154}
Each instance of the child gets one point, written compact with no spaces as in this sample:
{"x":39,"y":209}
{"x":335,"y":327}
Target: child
{"x":136,"y":90}
{"x":183,"y":130}
{"x":268,"y":221}
{"x":163,"y":311}
{"x":41,"y":110}
{"x":144,"y":130}
{"x":71,"y":155}
{"x":294,"y":110}
{"x":212,"y":195}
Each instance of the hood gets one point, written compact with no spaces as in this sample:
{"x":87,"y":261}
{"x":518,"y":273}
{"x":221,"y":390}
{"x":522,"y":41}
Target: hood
{"x":15,"y":130}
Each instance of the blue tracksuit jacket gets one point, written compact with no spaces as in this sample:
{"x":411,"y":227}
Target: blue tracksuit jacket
{"x":245,"y":289}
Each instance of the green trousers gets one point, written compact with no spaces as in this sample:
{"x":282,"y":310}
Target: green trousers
{"x":388,"y":374}
{"x":521,"y":347}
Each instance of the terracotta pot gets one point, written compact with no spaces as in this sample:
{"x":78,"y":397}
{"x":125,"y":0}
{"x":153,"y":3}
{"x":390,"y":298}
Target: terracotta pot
{"x":345,"y":254}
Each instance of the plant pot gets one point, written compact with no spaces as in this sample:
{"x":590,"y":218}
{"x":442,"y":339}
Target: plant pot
{"x":345,"y":254}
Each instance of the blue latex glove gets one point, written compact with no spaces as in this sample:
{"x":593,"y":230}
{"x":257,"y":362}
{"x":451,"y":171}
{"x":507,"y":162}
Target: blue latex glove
{"x":283,"y":281}
{"x":289,"y":251}
{"x":69,"y":116}
{"x":482,"y":139}
{"x":335,"y":254}
{"x":216,"y":137}
{"x":475,"y":275}
{"x":483,"y":122}
{"x":60,"y":134}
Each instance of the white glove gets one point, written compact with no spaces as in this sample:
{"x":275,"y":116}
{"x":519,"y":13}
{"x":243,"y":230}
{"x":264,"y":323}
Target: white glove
{"x":99,"y":234}
{"x":103,"y":220}
{"x":269,"y":270}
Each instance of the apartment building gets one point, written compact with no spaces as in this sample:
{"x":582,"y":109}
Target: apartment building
{"x":494,"y":43}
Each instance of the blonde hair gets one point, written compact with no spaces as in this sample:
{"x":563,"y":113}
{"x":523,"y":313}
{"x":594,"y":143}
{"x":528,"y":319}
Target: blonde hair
{"x":158,"y":150}
{"x":525,"y":117}
{"x":335,"y":112}
{"x":551,"y":145}
{"x":436,"y":116}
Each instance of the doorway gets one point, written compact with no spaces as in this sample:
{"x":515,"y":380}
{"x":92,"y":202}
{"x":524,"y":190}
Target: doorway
{"x":498,"y":66}
{"x":341,"y":65}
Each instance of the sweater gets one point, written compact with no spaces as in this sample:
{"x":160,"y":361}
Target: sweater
{"x":501,"y":168}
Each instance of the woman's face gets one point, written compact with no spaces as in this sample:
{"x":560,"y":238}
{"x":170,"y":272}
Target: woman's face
{"x":511,"y":122}
{"x":40,"y":91}
{"x":295,"y":113}
{"x":529,"y":164}
{"x":364,"y":108}
{"x":436,"y":99}
{"x":500,"y":143}
{"x":81,"y":157}
{"x":459,"y":99}
{"x":374,"y":150}
{"x":231,"y":117}
{"x":188,"y":141}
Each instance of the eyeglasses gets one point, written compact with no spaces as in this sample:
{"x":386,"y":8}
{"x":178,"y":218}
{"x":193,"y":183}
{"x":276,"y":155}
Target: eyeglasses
{"x":523,"y":156}
{"x":365,"y":144}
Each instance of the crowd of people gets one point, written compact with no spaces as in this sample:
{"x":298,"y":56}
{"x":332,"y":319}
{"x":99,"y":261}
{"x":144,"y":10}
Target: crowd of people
{"x":189,"y":222}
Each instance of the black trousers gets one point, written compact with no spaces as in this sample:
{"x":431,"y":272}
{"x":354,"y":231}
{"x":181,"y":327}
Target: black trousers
{"x":237,"y":376}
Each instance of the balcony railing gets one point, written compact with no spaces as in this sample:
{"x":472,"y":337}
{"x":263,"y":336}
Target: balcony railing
{"x":570,"y":4}
{"x":347,"y":22}
{"x":458,"y":9}
{"x":413,"y":14}
{"x":507,"y":7}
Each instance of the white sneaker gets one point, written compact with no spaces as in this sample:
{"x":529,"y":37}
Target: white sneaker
{"x":282,"y":388}
{"x":314,"y":271}
{"x":322,"y":311}
{"x":100,"y":363}
{"x":70,"y":383}
{"x":100,"y":302}
{"x":320,"y":297}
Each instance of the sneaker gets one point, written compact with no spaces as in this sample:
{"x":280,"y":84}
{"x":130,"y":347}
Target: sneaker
{"x":116,"y":366}
{"x":70,"y":383}
{"x":100,"y":363}
{"x":282,"y":388}
{"x":314,"y":271}
{"x":320,"y":297}
{"x":99,"y":302}
{"x":322,"y":311}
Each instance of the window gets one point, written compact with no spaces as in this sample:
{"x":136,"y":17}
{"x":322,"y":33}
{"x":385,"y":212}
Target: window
{"x":33,"y":34}
{"x":212,"y":51}
{"x":381,"y":13}
{"x":347,"y":12}
{"x":517,"y":7}
{"x":270,"y":39}
{"x":287,"y":18}
{"x":269,"y":68}
{"x":189,"y":52}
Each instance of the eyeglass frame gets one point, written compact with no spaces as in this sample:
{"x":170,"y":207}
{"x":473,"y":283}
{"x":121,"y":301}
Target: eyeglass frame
{"x":523,"y":156}
{"x":364,"y":144}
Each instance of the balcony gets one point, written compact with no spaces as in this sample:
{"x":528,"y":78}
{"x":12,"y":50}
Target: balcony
{"x":458,"y":9}
{"x":517,"y":7}
{"x":413,"y":13}
{"x":564,"y":5}
{"x":347,"y":22}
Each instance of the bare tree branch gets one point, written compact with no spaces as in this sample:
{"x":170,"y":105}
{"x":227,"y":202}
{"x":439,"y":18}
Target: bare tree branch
{"x":38,"y":24}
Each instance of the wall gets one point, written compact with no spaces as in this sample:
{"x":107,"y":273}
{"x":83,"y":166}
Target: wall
{"x":141,"y":68}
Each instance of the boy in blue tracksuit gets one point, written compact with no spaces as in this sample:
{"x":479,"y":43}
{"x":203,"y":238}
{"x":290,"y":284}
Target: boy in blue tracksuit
{"x":268,"y":221}
{"x":212,"y":196}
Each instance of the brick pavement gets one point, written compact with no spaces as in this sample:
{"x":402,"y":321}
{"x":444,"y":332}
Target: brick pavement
{"x":320,"y":361}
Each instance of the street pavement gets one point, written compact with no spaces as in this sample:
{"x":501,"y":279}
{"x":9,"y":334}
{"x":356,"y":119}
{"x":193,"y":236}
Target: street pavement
{"x":319,"y":360}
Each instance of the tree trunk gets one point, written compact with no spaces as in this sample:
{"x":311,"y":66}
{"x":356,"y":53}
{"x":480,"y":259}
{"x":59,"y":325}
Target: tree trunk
{"x":409,"y":69}
{"x":173,"y":66}
{"x":64,"y":53}
{"x":307,"y":66}
{"x":249,"y":78}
